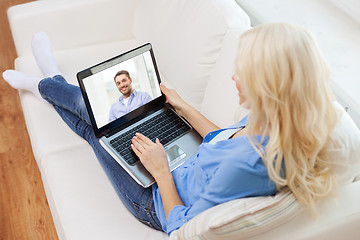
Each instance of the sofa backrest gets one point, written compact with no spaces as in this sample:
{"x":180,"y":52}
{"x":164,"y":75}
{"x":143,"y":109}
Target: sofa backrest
{"x":116,"y":23}
{"x":187,"y":37}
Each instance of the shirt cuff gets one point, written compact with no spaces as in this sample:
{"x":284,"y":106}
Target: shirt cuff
{"x":176,"y":218}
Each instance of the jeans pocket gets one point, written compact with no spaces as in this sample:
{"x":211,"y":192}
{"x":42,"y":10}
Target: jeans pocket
{"x":141,"y":214}
{"x":145,"y":215}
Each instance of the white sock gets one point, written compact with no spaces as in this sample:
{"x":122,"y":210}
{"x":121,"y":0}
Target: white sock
{"x":43,"y":54}
{"x":19,"y":80}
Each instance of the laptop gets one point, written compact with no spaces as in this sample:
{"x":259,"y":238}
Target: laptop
{"x":116,"y":118}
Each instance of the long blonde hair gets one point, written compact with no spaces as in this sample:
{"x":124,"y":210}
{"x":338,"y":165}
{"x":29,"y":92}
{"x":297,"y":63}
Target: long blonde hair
{"x":285,"y":81}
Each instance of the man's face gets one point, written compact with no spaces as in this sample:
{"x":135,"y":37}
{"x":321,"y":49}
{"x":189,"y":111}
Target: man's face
{"x":123,"y":83}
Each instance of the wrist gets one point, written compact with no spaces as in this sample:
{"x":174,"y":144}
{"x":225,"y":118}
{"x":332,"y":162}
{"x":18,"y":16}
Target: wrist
{"x":163,"y":177}
{"x":184,"y":110}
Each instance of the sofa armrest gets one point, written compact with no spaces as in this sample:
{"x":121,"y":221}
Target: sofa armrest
{"x":72,"y":24}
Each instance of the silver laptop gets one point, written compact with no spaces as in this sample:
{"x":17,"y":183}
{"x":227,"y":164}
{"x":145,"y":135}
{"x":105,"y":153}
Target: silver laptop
{"x":122,"y":96}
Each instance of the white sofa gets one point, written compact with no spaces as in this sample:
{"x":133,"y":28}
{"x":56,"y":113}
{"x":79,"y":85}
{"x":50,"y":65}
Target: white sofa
{"x":195,"y":42}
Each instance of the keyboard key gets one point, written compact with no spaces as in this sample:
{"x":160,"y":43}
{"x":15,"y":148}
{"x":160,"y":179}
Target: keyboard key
{"x":167,"y":126}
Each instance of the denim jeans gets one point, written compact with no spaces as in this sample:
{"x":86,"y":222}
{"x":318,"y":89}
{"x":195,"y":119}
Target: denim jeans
{"x":69,"y":104}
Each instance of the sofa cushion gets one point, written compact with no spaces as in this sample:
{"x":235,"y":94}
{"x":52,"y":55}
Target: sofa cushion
{"x":187,"y":37}
{"x":242,"y":218}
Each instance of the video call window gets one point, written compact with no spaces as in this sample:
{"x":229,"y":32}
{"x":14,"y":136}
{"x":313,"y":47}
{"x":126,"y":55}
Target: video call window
{"x":103,"y":93}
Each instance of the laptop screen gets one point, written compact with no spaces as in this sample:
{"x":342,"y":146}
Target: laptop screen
{"x":120,"y":89}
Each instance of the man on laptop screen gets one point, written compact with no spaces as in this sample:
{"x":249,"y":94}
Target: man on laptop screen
{"x":130,"y":98}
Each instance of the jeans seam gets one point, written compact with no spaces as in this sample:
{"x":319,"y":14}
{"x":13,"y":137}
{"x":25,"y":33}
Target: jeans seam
{"x":149,"y":213}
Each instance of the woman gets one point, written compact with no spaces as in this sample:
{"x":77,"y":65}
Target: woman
{"x":281,"y":78}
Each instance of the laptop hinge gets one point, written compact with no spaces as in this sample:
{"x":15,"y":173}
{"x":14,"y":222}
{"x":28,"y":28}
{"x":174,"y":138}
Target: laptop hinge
{"x":105,"y":133}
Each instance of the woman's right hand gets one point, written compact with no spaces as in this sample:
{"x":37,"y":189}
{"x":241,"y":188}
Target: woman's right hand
{"x":173,"y":98}
{"x":200,"y":123}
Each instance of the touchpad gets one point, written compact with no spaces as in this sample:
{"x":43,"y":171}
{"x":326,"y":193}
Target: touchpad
{"x":175,"y":154}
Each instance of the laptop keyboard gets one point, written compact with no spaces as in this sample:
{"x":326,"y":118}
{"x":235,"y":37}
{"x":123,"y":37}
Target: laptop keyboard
{"x":166,"y":126}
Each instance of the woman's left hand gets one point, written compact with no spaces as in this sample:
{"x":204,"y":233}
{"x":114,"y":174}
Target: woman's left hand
{"x":152,"y":155}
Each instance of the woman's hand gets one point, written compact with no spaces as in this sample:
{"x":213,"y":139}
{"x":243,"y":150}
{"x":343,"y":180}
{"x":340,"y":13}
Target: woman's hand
{"x":152,"y":155}
{"x":201,"y":124}
{"x":174,"y":99}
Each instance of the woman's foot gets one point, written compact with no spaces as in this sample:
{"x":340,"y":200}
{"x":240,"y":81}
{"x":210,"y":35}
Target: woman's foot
{"x":42,"y":50}
{"x":19,"y":80}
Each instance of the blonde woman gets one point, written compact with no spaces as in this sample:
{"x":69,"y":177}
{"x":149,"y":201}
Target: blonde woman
{"x":281,"y":78}
{"x":284,"y":82}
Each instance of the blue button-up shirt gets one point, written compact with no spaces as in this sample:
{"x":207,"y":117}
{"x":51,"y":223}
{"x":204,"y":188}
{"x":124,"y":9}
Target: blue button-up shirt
{"x":220,"y":172}
{"x":136,"y":99}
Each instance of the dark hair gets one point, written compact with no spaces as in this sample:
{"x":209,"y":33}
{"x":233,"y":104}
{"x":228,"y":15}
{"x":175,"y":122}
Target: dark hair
{"x":121,"y":73}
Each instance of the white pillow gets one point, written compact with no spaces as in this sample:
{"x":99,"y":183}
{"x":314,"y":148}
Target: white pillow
{"x":347,"y":153}
{"x":241,"y":218}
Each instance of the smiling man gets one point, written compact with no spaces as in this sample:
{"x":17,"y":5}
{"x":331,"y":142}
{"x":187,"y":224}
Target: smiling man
{"x":130,"y":98}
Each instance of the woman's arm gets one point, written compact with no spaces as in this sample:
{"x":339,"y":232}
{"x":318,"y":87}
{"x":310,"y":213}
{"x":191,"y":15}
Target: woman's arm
{"x":169,"y":195}
{"x":201,"y":124}
{"x":153,"y":157}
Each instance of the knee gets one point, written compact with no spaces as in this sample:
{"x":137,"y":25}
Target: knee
{"x":85,"y":131}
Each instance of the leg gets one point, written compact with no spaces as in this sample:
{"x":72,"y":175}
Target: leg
{"x":68,"y":102}
{"x":69,"y":97}
{"x":138,"y":200}
{"x":59,"y":93}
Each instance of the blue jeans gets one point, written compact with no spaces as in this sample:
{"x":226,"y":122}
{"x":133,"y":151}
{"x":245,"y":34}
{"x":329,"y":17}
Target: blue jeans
{"x":68,"y":102}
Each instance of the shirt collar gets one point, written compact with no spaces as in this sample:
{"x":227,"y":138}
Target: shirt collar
{"x":121,"y":98}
